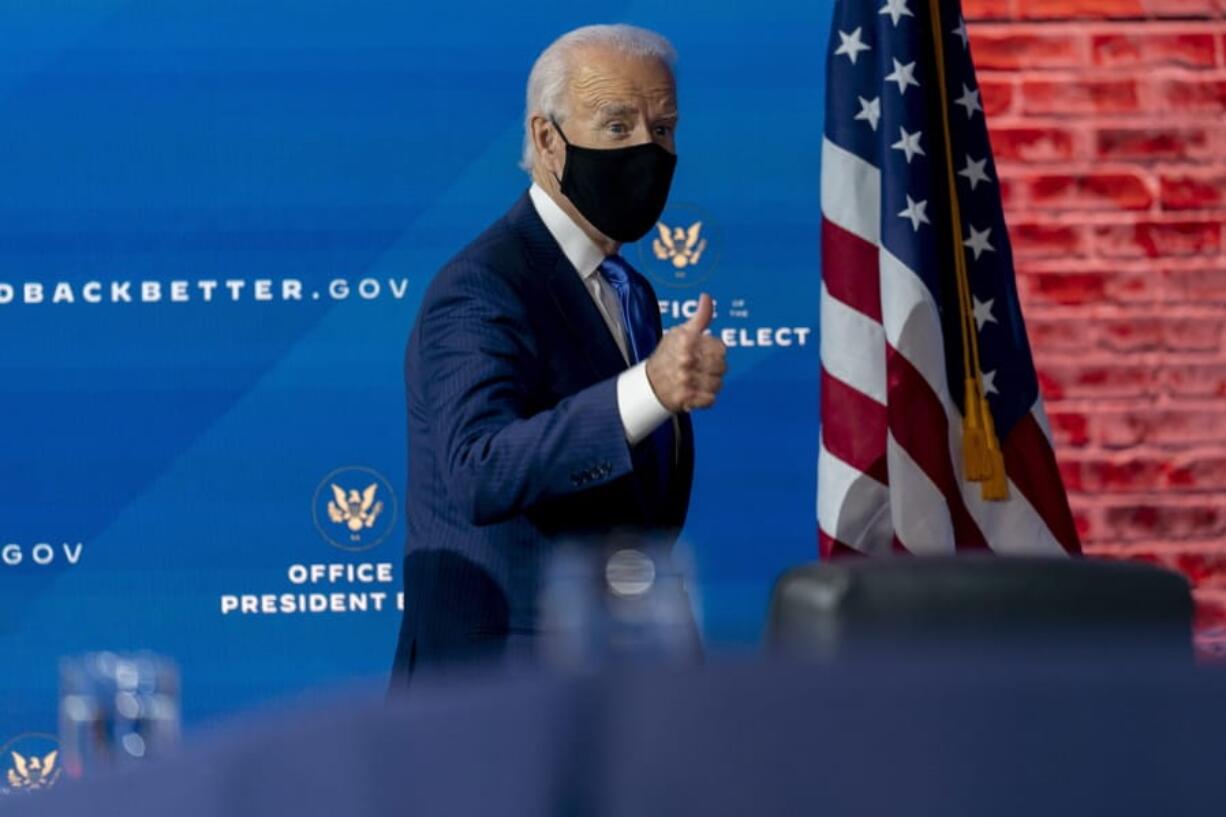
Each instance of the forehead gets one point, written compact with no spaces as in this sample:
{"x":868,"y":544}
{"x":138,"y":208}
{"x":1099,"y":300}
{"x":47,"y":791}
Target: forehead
{"x":605,"y":76}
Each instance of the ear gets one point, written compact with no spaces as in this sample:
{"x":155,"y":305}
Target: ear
{"x":550,"y":149}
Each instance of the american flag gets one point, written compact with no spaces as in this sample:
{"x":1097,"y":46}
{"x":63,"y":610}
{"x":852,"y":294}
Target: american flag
{"x":908,"y":185}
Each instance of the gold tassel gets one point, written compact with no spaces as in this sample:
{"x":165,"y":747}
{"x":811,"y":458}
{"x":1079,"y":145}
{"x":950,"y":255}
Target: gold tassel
{"x":975,"y":456}
{"x":996,"y":486}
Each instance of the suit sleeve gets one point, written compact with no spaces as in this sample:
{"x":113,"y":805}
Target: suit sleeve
{"x":498,"y":458}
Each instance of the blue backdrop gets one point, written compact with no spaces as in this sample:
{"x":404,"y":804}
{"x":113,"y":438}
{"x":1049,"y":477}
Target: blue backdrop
{"x":216,"y":223}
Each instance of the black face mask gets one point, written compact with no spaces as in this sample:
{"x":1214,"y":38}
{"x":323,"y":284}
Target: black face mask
{"x":621,"y":191}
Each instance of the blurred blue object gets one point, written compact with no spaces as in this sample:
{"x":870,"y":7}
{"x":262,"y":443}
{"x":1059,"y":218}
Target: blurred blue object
{"x":618,"y":605}
{"x":116,"y":708}
{"x":897,"y":733}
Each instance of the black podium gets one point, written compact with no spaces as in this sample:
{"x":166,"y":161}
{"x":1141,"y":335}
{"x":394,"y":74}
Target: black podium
{"x":982,"y":602}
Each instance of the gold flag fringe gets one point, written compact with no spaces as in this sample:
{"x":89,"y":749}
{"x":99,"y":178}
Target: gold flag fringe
{"x":983,"y":460}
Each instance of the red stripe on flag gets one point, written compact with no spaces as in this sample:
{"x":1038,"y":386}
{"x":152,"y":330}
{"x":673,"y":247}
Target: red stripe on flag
{"x":1031,"y":465}
{"x":849,"y":269}
{"x":854,"y":427}
{"x":919,"y":425}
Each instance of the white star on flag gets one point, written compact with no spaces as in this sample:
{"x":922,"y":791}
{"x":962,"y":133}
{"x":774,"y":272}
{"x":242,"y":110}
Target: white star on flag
{"x":989,"y":382}
{"x":852,"y":45}
{"x":970,"y":101}
{"x":975,"y":172}
{"x":904,"y":75}
{"x":917,"y":212}
{"x":909,"y":144}
{"x":983,"y":312}
{"x":962,"y":32}
{"x":978,"y":241}
{"x":897,"y":9}
{"x":870,"y":111}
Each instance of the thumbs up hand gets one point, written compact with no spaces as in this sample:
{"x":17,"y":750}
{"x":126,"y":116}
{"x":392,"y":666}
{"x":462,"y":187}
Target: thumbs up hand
{"x":686,"y":371}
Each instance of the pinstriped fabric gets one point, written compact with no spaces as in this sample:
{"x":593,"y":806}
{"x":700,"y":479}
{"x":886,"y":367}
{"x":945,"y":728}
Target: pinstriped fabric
{"x":516,"y":445}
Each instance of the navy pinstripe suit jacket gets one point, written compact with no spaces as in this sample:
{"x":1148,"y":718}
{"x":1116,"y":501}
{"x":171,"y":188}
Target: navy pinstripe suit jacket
{"x":516,"y":445}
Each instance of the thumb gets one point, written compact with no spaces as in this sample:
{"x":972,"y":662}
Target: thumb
{"x":702,"y":317}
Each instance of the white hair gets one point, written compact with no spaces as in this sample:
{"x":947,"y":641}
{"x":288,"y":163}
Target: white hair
{"x":551,"y":72}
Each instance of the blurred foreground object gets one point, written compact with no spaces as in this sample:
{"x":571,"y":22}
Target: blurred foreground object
{"x":116,"y":708}
{"x":622,"y":604}
{"x":905,"y":732}
{"x":958,"y":602}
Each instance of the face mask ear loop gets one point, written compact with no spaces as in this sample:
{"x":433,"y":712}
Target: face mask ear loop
{"x":558,"y":128}
{"x":566,"y":141}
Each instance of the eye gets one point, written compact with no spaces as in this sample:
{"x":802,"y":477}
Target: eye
{"x":663,"y":130}
{"x":618,"y":128}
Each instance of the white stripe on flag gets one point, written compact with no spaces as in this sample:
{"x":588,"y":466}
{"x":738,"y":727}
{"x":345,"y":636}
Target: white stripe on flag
{"x":912,"y":323}
{"x":851,"y":192}
{"x":852,"y":506}
{"x":920,"y":514}
{"x":853,"y":347}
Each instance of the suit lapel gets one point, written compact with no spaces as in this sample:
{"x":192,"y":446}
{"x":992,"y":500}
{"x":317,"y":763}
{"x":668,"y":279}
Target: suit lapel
{"x":584,"y":320}
{"x":578,"y":311}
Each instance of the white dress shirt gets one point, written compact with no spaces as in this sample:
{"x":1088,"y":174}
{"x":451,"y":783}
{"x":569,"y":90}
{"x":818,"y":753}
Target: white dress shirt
{"x":641,"y":411}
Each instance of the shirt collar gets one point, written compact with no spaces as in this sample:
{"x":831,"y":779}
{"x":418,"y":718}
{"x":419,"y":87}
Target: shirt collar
{"x":579,"y":249}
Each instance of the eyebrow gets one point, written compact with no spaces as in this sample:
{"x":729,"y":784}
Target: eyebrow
{"x":617,"y":109}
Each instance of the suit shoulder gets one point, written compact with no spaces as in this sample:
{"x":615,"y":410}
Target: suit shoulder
{"x":495,"y":258}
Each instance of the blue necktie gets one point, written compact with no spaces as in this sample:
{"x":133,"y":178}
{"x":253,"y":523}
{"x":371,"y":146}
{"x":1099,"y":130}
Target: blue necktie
{"x":639,"y":311}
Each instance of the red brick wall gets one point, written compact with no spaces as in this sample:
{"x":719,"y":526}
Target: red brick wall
{"x":1108,"y":119}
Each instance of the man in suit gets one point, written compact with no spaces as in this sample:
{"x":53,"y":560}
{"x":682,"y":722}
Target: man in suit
{"x":545,"y":410}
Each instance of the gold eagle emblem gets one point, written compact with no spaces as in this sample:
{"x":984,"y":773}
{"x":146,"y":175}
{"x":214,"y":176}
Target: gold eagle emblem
{"x":682,"y":246}
{"x":33,"y":773}
{"x":355,"y":510}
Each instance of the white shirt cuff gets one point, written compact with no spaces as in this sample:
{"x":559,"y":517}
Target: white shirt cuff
{"x":640,"y":409}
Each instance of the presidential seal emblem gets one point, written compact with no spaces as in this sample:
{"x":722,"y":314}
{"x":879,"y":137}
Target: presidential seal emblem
{"x":683,"y":247}
{"x":681,"y":251}
{"x":29,"y":763}
{"x":354,"y":508}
